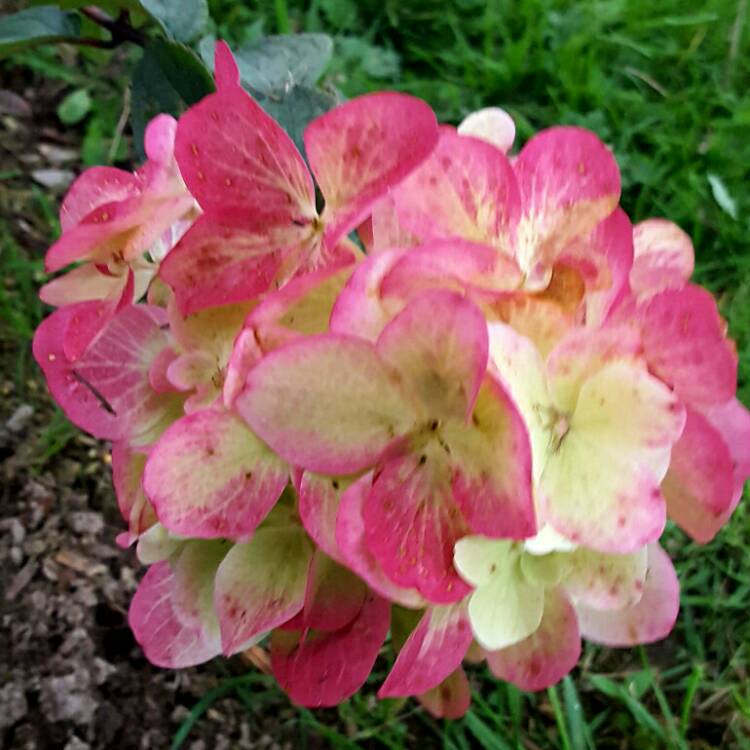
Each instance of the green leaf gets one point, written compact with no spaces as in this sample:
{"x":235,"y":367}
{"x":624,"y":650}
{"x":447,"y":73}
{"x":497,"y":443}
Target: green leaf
{"x":36,"y":26}
{"x":183,"y":69}
{"x":294,"y":110}
{"x":152,"y":94}
{"x":721,"y":195}
{"x":168,"y":76}
{"x":183,"y":20}
{"x":74,"y":107}
{"x":274,"y":64}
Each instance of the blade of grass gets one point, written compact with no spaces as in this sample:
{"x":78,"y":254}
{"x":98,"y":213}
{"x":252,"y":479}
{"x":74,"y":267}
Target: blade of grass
{"x":580,"y":736}
{"x":554,"y":699}
{"x":488,"y":739}
{"x":694,"y":682}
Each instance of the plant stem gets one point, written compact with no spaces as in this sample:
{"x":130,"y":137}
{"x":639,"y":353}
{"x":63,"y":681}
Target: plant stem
{"x":119,"y":28}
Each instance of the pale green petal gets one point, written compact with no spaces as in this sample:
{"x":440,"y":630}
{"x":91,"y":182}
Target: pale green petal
{"x":544,"y":570}
{"x":477,"y":558}
{"x":157,"y":544}
{"x":505,"y":610}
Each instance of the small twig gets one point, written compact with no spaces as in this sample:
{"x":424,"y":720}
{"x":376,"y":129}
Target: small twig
{"x":119,"y":28}
{"x":121,"y":123}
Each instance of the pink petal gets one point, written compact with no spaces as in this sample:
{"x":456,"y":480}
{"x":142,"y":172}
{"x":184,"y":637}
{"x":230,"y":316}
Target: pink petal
{"x":217,"y":264}
{"x":363,"y":147}
{"x":239,"y":164}
{"x":157,"y":373}
{"x":650,"y":620}
{"x":351,"y":543}
{"x":450,"y":699}
{"x":610,"y":250}
{"x":245,"y":355}
{"x":479,"y":271}
{"x":226,"y":72}
{"x":686,"y":346}
{"x":412,"y":524}
{"x":261,"y":584}
{"x":385,"y":229}
{"x":239,"y":482}
{"x":465,"y":189}
{"x":546,"y":656}
{"x":490,"y":460}
{"x":165,"y":639}
{"x":90,"y":318}
{"x":732,"y":420}
{"x":100,"y":235}
{"x":359,"y":310}
{"x":127,"y":475}
{"x":664,"y":257}
{"x":569,"y":182}
{"x":603,"y":581}
{"x":334,"y":595}
{"x":318,"y":506}
{"x":437,"y":347}
{"x":432,"y":652}
{"x":324,"y":669}
{"x":84,"y":324}
{"x":116,"y":367}
{"x":158,"y":139}
{"x":699,"y":486}
{"x":96,"y":187}
{"x":325,"y":403}
{"x":77,"y":400}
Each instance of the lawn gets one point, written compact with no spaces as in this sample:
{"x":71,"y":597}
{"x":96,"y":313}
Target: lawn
{"x":666,"y":86}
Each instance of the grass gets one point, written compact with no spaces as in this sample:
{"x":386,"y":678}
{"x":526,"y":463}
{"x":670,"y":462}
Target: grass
{"x":665,"y":85}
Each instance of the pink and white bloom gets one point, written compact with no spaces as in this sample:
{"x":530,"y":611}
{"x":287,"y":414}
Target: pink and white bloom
{"x":469,"y":437}
{"x":260,"y":225}
{"x":419,"y":408}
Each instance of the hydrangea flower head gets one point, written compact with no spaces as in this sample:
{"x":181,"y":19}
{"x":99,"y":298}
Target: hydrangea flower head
{"x":409,"y":390}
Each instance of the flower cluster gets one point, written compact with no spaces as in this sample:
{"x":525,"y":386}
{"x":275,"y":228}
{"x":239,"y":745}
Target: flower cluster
{"x":411,"y":385}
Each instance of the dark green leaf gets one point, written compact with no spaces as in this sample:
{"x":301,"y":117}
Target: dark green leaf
{"x":294,"y":110}
{"x":74,"y":107}
{"x":36,"y":26}
{"x":183,"y":20}
{"x":274,"y":64}
{"x":183,"y":69}
{"x":152,"y":93}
